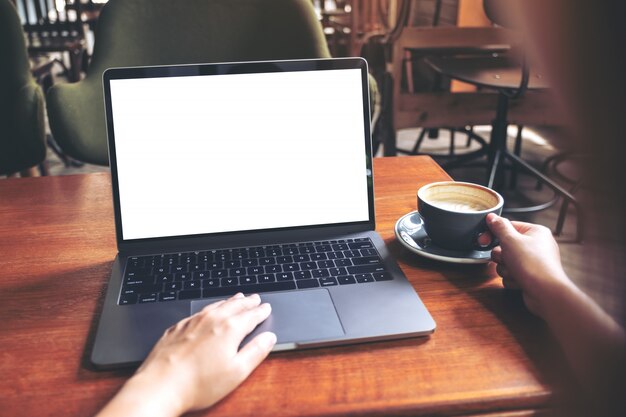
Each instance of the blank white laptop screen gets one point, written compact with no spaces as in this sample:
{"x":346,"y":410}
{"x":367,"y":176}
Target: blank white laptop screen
{"x":224,"y":153}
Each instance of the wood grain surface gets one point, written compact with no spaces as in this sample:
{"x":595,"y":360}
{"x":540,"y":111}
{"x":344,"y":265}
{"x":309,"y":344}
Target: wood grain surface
{"x":488,"y":356}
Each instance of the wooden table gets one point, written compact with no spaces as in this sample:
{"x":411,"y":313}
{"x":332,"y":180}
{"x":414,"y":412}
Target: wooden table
{"x":489,"y":356}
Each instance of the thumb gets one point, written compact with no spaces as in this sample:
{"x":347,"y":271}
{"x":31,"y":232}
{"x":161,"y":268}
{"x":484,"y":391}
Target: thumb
{"x":253,"y":353}
{"x":500,"y":227}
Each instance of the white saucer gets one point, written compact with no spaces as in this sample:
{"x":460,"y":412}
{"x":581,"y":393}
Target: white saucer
{"x":410,"y":232}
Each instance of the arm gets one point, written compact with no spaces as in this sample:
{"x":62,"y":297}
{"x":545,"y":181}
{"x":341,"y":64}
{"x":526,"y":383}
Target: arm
{"x":196,"y":363}
{"x":594,"y":344}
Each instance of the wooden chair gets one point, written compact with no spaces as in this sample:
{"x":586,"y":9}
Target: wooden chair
{"x":49,"y":30}
{"x":435,"y":109}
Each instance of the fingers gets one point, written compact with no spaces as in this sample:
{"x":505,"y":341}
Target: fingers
{"x":507,"y":280}
{"x":252,"y":354}
{"x":500,"y":227}
{"x":510,"y":283}
{"x":496,"y":254}
{"x":237,"y":304}
{"x":501,"y":270}
{"x":246,"y":321}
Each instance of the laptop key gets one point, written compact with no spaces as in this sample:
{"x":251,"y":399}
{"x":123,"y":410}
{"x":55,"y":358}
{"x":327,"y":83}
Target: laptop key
{"x":232,"y":264}
{"x":192,"y":285}
{"x":323,"y":248}
{"x":267,"y":261}
{"x":182,"y":276}
{"x":308,"y":283}
{"x":236,"y":272}
{"x":266,"y":278}
{"x":229,"y":282}
{"x":162,"y":278}
{"x":364,"y":269}
{"x":210,"y":283}
{"x":318,"y":257}
{"x":366,"y":260}
{"x":382,"y":276}
{"x":167,"y":296}
{"x":148,"y":298}
{"x":360,"y":245}
{"x":336,"y":272}
{"x":290,"y":251}
{"x":201,"y":275}
{"x":248,"y":289}
{"x":347,"y":279}
{"x":291,"y":267}
{"x":351,"y":253}
{"x":249,"y":262}
{"x":219,"y":273}
{"x":361,"y":278}
{"x":343,"y":262}
{"x":126,"y":299}
{"x":284,"y":276}
{"x":215,"y":265}
{"x":162,"y":270}
{"x":139,"y":281}
{"x":173,"y":286}
{"x":320,"y":273}
{"x":247,"y":280}
{"x":369,"y":252}
{"x":308,"y":265}
{"x":328,"y":282}
{"x":270,"y":269}
{"x":189,"y":294}
{"x":301,"y":258}
{"x":325,"y":264}
{"x":302,"y":274}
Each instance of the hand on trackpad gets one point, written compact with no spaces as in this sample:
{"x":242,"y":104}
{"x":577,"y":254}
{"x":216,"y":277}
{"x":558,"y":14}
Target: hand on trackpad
{"x":299,"y":316}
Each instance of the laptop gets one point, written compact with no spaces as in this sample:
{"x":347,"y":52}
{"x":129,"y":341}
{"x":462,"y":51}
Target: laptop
{"x":248,"y":177}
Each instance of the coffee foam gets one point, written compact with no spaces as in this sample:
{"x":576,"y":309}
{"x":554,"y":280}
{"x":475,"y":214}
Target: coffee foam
{"x":460,"y":198}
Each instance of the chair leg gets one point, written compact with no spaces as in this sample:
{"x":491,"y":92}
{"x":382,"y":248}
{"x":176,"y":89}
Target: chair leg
{"x":568,"y":198}
{"x":419,"y":141}
{"x":469,"y":137}
{"x":493,"y":171}
{"x":452,"y":140}
{"x":518,"y":151}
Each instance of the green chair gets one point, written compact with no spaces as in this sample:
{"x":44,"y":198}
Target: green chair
{"x":155,"y":32}
{"x":22,"y":129}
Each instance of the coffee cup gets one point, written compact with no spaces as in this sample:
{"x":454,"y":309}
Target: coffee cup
{"x":454,"y":213}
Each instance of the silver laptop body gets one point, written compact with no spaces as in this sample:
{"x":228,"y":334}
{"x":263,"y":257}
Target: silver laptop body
{"x":253,"y":177}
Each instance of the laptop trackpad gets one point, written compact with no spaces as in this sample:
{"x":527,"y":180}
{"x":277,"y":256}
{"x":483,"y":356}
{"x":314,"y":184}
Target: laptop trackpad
{"x":299,"y":316}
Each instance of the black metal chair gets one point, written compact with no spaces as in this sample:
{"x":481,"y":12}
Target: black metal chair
{"x":511,"y":78}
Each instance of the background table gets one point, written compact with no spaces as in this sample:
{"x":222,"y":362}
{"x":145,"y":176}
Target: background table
{"x":488,"y":356}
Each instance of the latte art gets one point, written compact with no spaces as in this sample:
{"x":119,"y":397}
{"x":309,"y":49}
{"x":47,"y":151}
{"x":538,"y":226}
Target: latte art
{"x":459,"y":197}
{"x":462,"y":206}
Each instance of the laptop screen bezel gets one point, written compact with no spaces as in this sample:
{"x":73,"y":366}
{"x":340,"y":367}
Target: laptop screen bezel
{"x":223,"y":69}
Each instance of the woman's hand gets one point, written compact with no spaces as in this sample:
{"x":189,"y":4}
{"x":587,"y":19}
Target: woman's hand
{"x":528,"y":259}
{"x":197,"y":362}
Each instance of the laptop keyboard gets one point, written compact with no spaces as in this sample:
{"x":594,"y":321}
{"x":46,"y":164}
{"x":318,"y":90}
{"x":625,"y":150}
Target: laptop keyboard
{"x":218,"y":273}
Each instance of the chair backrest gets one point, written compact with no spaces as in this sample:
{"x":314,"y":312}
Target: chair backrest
{"x":21,"y":100}
{"x":165,"y":32}
{"x":152,"y":32}
{"x":12,"y":50}
{"x":43,"y":19}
